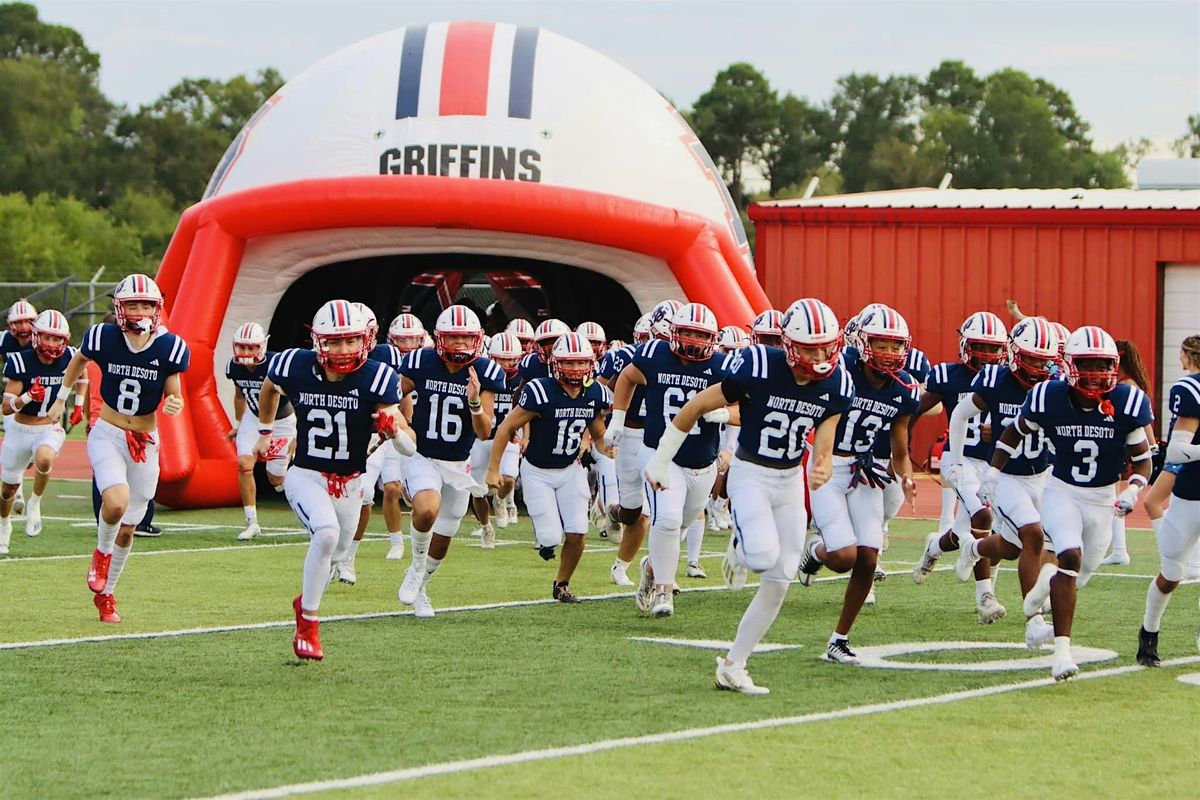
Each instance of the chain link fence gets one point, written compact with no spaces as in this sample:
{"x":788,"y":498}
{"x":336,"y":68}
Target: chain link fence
{"x":84,"y":302}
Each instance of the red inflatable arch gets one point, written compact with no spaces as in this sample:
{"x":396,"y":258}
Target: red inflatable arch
{"x":693,"y":248}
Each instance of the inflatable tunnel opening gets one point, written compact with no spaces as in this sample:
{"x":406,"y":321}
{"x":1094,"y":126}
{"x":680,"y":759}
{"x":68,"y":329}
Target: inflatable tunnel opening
{"x":423,"y":284}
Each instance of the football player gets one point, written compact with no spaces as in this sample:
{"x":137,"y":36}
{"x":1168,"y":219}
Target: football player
{"x":453,"y":406}
{"x":405,"y":334}
{"x":1094,"y":425}
{"x":34,"y":380}
{"x":558,"y":411}
{"x":630,"y":490}
{"x":340,"y":397}
{"x":247,"y":369}
{"x":848,"y":510}
{"x":505,"y":350}
{"x":730,"y":340}
{"x":673,"y":372}
{"x":140,"y":363}
{"x":1178,"y":531}
{"x":523,"y":330}
{"x":21,"y":315}
{"x":983,"y":340}
{"x":1000,"y":392}
{"x":783,"y":395}
{"x":537,"y":363}
{"x":767,"y":329}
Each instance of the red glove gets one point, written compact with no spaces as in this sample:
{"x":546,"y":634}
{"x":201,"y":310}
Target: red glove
{"x":37,"y":392}
{"x":385,"y":425}
{"x":76,"y":415}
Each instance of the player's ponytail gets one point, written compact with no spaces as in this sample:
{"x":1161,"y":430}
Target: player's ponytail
{"x":1131,"y":365}
{"x":1191,"y":349}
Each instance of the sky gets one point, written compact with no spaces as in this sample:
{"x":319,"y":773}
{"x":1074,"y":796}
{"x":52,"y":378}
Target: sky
{"x":1132,"y":68}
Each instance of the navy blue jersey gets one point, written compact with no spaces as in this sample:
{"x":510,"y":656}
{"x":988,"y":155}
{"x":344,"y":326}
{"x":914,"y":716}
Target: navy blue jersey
{"x":11,"y":344}
{"x":1185,"y":402}
{"x":1004,"y":395}
{"x":502,"y":402}
{"x":532,"y":367}
{"x":951,"y":381}
{"x":557,"y":430}
{"x":333,"y":418}
{"x":671,"y":381}
{"x":777,"y":413}
{"x":441,"y":418}
{"x":1089,"y":447}
{"x":387,"y":354}
{"x":610,"y":367}
{"x":249,"y":381}
{"x":873,"y":410}
{"x":916,"y":360}
{"x":25,"y":366}
{"x":917,"y":365}
{"x":132,"y":383}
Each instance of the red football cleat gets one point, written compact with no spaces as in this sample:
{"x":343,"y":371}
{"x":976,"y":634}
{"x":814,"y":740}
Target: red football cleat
{"x":106,"y":604}
{"x":307,"y":641}
{"x":98,"y":571}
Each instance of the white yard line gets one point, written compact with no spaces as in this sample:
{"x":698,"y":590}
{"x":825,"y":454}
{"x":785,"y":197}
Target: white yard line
{"x":588,"y":748}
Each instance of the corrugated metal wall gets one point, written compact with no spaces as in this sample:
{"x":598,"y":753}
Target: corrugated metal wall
{"x":937,"y":266}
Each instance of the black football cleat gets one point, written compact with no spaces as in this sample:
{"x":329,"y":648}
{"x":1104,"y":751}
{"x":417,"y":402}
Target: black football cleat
{"x":1147,"y":654}
{"x":562,"y":593}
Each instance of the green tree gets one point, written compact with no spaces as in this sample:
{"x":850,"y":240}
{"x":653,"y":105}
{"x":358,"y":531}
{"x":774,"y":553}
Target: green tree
{"x":799,"y":146}
{"x":868,"y":110}
{"x":735,"y":120}
{"x":48,"y":238}
{"x":1188,"y":145}
{"x":152,"y":215}
{"x":23,"y":34}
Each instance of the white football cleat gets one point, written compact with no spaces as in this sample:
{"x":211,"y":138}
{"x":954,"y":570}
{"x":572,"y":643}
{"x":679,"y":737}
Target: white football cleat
{"x":249,"y":532}
{"x":488,"y":540}
{"x":732,"y":570}
{"x":1064,"y":669}
{"x":870,"y":600}
{"x":1192,"y":571}
{"x":644,"y":597}
{"x":989,"y":609}
{"x":838,"y":652}
{"x":597,"y":517}
{"x":1037,"y":632}
{"x":499,"y":512}
{"x":694,"y":570}
{"x":1040,"y":592}
{"x":33,"y":517}
{"x":513,"y":517}
{"x":423,"y":608}
{"x":395,"y":552}
{"x":410,"y":587}
{"x":18,"y":506}
{"x":922,"y":571}
{"x":663,"y":604}
{"x":1115,"y":559}
{"x":478,"y":532}
{"x":344,"y":572}
{"x":734,"y":678}
{"x":5,"y":534}
{"x":618,"y":576}
{"x":964,"y":568}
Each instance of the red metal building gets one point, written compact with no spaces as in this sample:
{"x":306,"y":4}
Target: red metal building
{"x":1127,"y":260}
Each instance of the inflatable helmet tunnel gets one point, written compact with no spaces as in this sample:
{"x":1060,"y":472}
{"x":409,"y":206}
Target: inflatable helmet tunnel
{"x":411,"y":166}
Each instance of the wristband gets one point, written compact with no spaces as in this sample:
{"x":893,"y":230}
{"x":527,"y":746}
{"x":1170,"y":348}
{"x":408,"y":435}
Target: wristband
{"x":476,"y":410}
{"x":25,"y":400}
{"x":1138,"y":480}
{"x":1006,"y":447}
{"x":617,"y":420}
{"x":1146,"y":456}
{"x":266,"y":430}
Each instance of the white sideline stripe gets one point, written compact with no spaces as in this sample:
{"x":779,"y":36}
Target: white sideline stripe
{"x":588,"y":748}
{"x":370,"y":537}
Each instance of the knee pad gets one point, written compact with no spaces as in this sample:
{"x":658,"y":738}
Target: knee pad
{"x":759,"y":561}
{"x":325,"y":540}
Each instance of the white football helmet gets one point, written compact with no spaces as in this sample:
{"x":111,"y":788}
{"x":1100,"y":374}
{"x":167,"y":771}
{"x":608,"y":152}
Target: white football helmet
{"x":372,"y":323}
{"x":21,"y":315}
{"x":572,"y":361}
{"x":850,"y":334}
{"x":661,"y":316}
{"x":546,"y":335}
{"x":982,"y":339}
{"x":641,"y":329}
{"x":767,"y":328}
{"x":1032,"y":347}
{"x":809,"y":324}
{"x":50,"y":334}
{"x":251,"y":335}
{"x":506,"y":350}
{"x":339,"y":319}
{"x":406,"y":333}
{"x":1092,"y":344}
{"x":1063,"y":333}
{"x":462,"y":324}
{"x":731,"y":338}
{"x":523,"y":330}
{"x":137,"y":288}
{"x":594,"y":333}
{"x":693,"y":332}
{"x":880,"y":324}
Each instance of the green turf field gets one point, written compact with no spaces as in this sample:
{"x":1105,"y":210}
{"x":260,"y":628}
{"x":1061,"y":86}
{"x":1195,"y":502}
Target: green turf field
{"x":482,"y":698}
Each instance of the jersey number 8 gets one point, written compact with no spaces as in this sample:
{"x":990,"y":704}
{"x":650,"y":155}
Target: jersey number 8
{"x":129,"y":395}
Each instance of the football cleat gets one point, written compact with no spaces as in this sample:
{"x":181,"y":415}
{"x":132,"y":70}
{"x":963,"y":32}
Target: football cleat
{"x":598,"y":518}
{"x":1147,"y":652}
{"x":1064,"y":669}
{"x":143,"y":531}
{"x":732,"y":570}
{"x":923,"y":570}
{"x":644,"y":597}
{"x":249,"y":532}
{"x":33,"y":517}
{"x":989,"y":609}
{"x":870,"y":598}
{"x":19,"y":501}
{"x":1040,"y":591}
{"x":488,"y":540}
{"x":839,"y":652}
{"x":423,"y":608}
{"x":306,"y":644}
{"x":344,"y":571}
{"x":734,"y":678}
{"x":880,"y":575}
{"x":618,"y":576}
{"x":499,"y":512}
{"x":410,"y":587}
{"x":964,"y":567}
{"x":562,"y":593}
{"x":1115,"y":559}
{"x":546,"y":552}
{"x":1037,"y":632}
{"x":107,"y":606}
{"x":396,"y":551}
{"x":478,"y":532}
{"x":809,"y":563}
{"x":663,"y":604}
{"x":694,"y":570}
{"x":98,"y":571}
{"x":513,"y":517}
{"x":5,"y":534}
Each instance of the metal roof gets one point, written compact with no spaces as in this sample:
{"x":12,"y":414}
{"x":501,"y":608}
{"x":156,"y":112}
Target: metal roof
{"x":1183,"y":199}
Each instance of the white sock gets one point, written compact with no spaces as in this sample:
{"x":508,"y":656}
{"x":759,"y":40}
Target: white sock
{"x":621,"y":565}
{"x":935,"y":545}
{"x":757,"y":620}
{"x":949,"y":499}
{"x":982,"y":587}
{"x":106,"y":535}
{"x":1118,"y":536}
{"x":317,"y":566}
{"x":695,"y":540}
{"x":278,"y":489}
{"x":664,"y":554}
{"x":119,"y":554}
{"x":431,"y":566}
{"x":352,"y":550}
{"x":420,"y":545}
{"x":395,"y":537}
{"x":1062,"y":647}
{"x":34,"y":499}
{"x":251,"y":514}
{"x":1156,"y":604}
